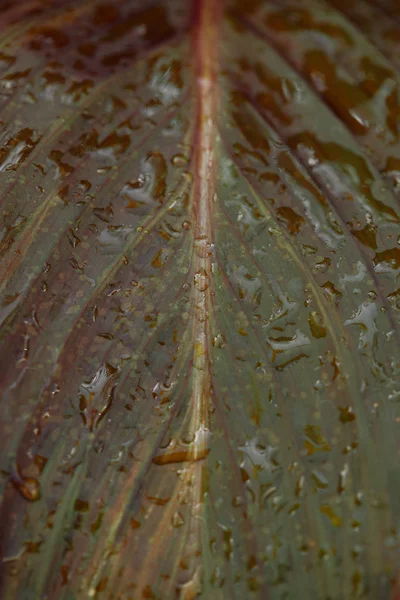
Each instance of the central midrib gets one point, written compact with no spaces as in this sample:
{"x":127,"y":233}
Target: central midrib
{"x":207,"y":17}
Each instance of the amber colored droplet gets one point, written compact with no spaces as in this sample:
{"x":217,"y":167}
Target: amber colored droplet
{"x":290,"y":218}
{"x":32,"y":547}
{"x":228,"y":543}
{"x":64,"y":572}
{"x":323,"y":265}
{"x":148,"y":593}
{"x":291,"y":361}
{"x":180,"y":455}
{"x":244,"y":474}
{"x":316,"y":441}
{"x":366,"y":236}
{"x":332,"y":293}
{"x":81,"y":505}
{"x":177,"y":452}
{"x":388,"y":260}
{"x":95,"y":526}
{"x":202,"y":247}
{"x":28,"y":487}
{"x":158,"y":501}
{"x":319,"y":479}
{"x":135,"y":524}
{"x":316,"y":323}
{"x":330,"y":513}
{"x":101,"y":586}
{"x":346,"y":414}
{"x":158,"y":260}
{"x":40,"y":462}
{"x":314,"y":433}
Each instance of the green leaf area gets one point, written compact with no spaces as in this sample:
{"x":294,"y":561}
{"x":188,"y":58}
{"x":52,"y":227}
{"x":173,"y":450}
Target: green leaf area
{"x":200,"y":299}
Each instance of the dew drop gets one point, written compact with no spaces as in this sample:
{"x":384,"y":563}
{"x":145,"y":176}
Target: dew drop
{"x":201,"y":280}
{"x":316,"y":323}
{"x":177,"y":519}
{"x":178,"y":452}
{"x":201,"y":314}
{"x":28,"y":487}
{"x":218,"y":341}
{"x":330,"y":513}
{"x":202,"y":247}
{"x":179,"y":160}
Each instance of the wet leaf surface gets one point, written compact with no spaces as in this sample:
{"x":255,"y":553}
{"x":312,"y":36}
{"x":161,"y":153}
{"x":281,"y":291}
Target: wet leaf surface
{"x":199,"y":299}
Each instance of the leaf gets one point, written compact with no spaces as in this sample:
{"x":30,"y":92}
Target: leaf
{"x":199,"y":299}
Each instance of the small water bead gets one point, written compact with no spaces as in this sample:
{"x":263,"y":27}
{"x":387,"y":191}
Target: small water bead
{"x":387,"y":261}
{"x":177,"y":520}
{"x":323,"y":265}
{"x":201,"y":280}
{"x":346,"y":414}
{"x":218,"y":341}
{"x":316,"y":324}
{"x":191,"y":449}
{"x":203,"y":247}
{"x":188,"y":177}
{"x":179,"y":160}
{"x":28,"y":487}
{"x":328,"y":511}
{"x":96,"y":396}
{"x":201,"y":314}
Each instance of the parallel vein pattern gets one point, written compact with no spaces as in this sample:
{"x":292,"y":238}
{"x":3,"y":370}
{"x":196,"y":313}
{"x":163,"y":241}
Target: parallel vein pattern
{"x":199,"y":299}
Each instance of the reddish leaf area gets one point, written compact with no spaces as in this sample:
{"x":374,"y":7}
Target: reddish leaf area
{"x":199,"y":299}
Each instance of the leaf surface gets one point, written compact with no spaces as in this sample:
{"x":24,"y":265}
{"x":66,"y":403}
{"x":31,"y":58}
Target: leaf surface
{"x":199,"y":310}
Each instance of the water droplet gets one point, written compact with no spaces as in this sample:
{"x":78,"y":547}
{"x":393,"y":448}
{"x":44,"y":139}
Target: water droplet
{"x":202,"y":247}
{"x":200,"y":314}
{"x":316,"y":323}
{"x":332,"y":293}
{"x":365,"y":319}
{"x":177,"y":519}
{"x":25,"y":350}
{"x":260,"y":456}
{"x":201,"y":280}
{"x":330,"y":513}
{"x":177,"y":452}
{"x":218,"y":341}
{"x":179,"y":160}
{"x":159,"y":259}
{"x":346,"y":414}
{"x":387,"y":261}
{"x":96,"y":396}
{"x":28,"y":487}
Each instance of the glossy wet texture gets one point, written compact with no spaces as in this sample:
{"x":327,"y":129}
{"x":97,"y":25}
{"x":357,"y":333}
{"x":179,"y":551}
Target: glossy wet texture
{"x":200,"y":299}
